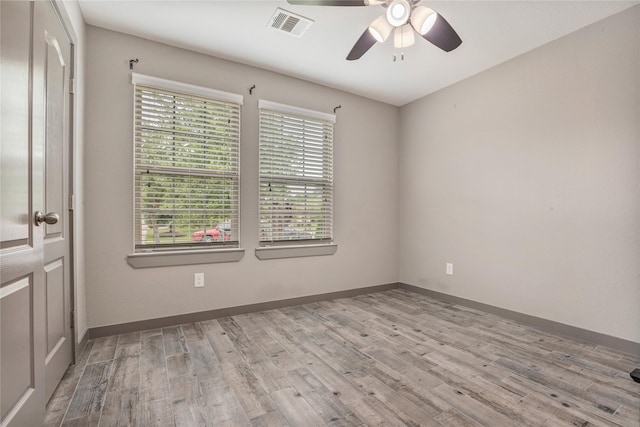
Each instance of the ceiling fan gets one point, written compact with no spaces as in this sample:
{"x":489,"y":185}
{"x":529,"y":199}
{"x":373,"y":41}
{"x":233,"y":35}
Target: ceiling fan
{"x":403,"y":18}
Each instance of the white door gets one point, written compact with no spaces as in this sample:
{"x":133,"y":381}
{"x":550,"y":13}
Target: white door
{"x":51,"y":67}
{"x":35,"y":338}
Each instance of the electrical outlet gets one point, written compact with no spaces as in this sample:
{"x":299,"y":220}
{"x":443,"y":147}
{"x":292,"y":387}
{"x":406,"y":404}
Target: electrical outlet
{"x":450,"y":269}
{"x":199,"y":280}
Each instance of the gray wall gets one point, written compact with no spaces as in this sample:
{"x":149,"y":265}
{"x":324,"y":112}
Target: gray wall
{"x":366,"y":185}
{"x":526,"y":177}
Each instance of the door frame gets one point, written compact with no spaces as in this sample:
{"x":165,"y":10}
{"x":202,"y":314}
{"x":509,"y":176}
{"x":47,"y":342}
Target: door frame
{"x":70,"y":181}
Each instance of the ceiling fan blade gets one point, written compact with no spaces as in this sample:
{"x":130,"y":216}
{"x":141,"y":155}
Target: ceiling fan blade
{"x":361,"y":47}
{"x":443,"y":35}
{"x":329,"y":2}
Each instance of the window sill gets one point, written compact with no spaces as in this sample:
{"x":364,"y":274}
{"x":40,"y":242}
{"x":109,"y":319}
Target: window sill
{"x":173,"y":258}
{"x":292,"y":251}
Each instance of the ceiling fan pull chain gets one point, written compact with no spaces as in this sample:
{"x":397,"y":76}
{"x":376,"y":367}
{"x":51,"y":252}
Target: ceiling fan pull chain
{"x":395,"y":57}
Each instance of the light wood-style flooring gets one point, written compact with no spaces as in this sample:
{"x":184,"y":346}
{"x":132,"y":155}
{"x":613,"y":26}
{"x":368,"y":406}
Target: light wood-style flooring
{"x":389,"y":358}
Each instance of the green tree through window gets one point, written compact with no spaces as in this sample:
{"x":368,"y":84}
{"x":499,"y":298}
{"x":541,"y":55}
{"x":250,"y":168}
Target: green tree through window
{"x":296,"y":175}
{"x":186,"y":169}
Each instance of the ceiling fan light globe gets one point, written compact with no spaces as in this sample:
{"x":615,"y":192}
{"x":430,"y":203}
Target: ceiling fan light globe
{"x":403,"y":37}
{"x":380,"y":29}
{"x":398,"y":12}
{"x":422,"y":19}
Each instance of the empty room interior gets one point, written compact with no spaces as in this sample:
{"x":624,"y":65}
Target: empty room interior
{"x":323,"y":212}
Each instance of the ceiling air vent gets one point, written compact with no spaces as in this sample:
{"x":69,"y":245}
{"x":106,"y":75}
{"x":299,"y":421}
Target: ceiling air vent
{"x":290,"y":23}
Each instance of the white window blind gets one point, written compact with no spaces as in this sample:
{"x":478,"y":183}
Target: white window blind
{"x":186,"y":151}
{"x":296,"y":175}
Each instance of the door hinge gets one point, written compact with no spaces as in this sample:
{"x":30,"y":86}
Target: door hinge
{"x":72,"y":85}
{"x":73,"y":319}
{"x":72,"y":202}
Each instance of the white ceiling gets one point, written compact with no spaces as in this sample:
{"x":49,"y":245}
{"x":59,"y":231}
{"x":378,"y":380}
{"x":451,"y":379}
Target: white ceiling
{"x":492,"y":32}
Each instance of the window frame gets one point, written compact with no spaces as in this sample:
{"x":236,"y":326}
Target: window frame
{"x":187,"y":252}
{"x":286,"y":248}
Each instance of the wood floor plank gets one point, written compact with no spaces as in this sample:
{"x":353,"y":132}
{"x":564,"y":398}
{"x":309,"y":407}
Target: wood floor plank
{"x":204,"y":360}
{"x":374,"y":413}
{"x":335,"y":382}
{"x":331,"y":409}
{"x":129,"y":339}
{"x":152,"y":352}
{"x":154,"y":384}
{"x":154,"y":381}
{"x":280,"y":358}
{"x":345,"y":358}
{"x":466,"y":366}
{"x":193,"y":331}
{"x":180,"y":364}
{"x":406,"y":369}
{"x":560,"y":384}
{"x":88,"y":397}
{"x":174,"y":340}
{"x":563,"y":402}
{"x":614,"y":360}
{"x":103,"y":349}
{"x":56,"y":409}
{"x":253,"y":398}
{"x":224,"y":349}
{"x":276,"y":330}
{"x":409,"y":413}
{"x":86,"y":401}
{"x":66,"y":387}
{"x":128,"y":350}
{"x":252,"y":329}
{"x":502,"y":344}
{"x":472,"y":408}
{"x":186,"y":399}
{"x":610,"y":393}
{"x":272,"y":419}
{"x":120,"y":408}
{"x":126,"y":370}
{"x":295,"y":409}
{"x":453,"y":417}
{"x":357,"y":339}
{"x":556,"y":415}
{"x":237,"y":336}
{"x":270,"y":376}
{"x":490,"y":396}
{"x":157,"y":412}
{"x":627,"y":415}
{"x":303,"y":380}
{"x":222,"y":405}
{"x":393,"y":358}
{"x":150,"y":332}
{"x":91,"y":420}
{"x":416,"y":390}
{"x":57,"y":406}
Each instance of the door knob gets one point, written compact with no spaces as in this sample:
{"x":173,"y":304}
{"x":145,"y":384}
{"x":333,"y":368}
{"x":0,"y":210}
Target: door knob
{"x":50,"y":218}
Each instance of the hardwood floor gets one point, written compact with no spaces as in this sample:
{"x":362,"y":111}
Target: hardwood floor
{"x":389,"y":358}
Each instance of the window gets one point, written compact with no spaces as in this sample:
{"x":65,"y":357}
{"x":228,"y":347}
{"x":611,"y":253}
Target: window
{"x":186,"y":156}
{"x":296,"y":175}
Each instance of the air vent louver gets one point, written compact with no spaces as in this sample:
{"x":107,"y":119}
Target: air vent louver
{"x":290,"y":23}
